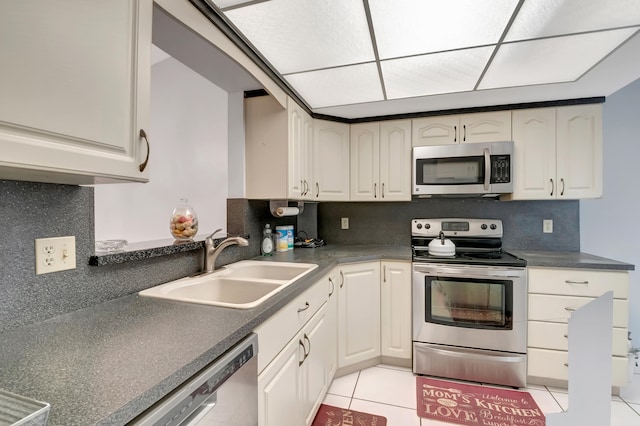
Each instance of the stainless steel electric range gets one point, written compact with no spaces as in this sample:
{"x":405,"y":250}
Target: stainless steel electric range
{"x":470,"y":309}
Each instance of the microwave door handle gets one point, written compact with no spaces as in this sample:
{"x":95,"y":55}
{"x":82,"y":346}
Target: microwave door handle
{"x":487,"y":168}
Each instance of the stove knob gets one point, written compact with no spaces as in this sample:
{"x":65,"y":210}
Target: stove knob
{"x":483,"y":226}
{"x":419,"y":226}
{"x":427,"y":226}
{"x":493,"y":226}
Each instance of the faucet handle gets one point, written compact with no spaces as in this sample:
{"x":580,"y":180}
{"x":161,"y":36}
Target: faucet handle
{"x":214,"y":233}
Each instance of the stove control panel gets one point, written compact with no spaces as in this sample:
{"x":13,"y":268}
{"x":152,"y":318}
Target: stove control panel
{"x":456,"y":227}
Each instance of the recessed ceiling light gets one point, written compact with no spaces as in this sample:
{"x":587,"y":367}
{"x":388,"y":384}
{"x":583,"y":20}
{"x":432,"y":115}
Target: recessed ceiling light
{"x":411,"y":27}
{"x":302,"y":35}
{"x":550,"y":60}
{"x":447,"y":72}
{"x":338,"y":86}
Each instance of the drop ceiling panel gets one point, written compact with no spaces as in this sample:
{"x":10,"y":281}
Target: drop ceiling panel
{"x":551,"y":60}
{"x":543,"y":18}
{"x":448,"y":72}
{"x":412,"y":27}
{"x":338,"y":86}
{"x":301,"y":35}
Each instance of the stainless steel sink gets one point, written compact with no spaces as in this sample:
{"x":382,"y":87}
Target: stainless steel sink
{"x":241,"y":285}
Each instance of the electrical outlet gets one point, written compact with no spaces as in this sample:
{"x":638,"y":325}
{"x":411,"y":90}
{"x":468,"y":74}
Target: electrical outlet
{"x":344,"y":223}
{"x":55,"y":254}
{"x":547,"y":226}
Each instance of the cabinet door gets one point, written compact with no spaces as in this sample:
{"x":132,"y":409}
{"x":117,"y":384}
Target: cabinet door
{"x":441,"y":130}
{"x":332,"y":327}
{"x":485,"y":127}
{"x":307,"y":156}
{"x":330,"y":161}
{"x":314,"y":365}
{"x":579,"y":151}
{"x":395,"y":310}
{"x":534,"y":138}
{"x":365,"y":162}
{"x":279,"y":388}
{"x":395,"y":160}
{"x":358,"y":313}
{"x":75,"y":90}
{"x":296,"y":152}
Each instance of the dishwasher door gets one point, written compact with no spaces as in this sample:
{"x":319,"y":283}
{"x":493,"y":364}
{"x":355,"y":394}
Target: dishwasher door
{"x":223,"y":394}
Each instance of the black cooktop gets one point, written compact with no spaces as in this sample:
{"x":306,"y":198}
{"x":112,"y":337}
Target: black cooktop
{"x":469,"y":251}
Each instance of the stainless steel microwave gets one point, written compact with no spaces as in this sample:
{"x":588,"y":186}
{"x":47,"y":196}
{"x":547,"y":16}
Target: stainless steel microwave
{"x":463,"y":169}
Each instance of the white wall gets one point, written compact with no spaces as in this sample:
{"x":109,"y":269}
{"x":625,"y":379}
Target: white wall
{"x":189,"y":150}
{"x":236,"y":145}
{"x":609,"y":226}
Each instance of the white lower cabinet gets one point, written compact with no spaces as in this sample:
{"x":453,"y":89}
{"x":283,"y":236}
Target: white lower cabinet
{"x":553,"y":295}
{"x":297,"y":357}
{"x":358,"y":313}
{"x":395,"y":310}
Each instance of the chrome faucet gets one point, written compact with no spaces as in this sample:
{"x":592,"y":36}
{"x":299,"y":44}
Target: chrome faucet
{"x":211,"y":250}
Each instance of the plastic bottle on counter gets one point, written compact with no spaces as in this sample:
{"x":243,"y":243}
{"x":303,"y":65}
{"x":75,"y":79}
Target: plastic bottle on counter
{"x":282,"y":243}
{"x":290,"y":237}
{"x":266,"y":247}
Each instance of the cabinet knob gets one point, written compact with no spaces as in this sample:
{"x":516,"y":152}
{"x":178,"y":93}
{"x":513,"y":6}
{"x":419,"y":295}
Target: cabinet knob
{"x":143,"y":165}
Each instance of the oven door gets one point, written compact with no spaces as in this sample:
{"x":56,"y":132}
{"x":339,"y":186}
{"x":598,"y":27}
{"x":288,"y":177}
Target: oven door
{"x":470,"y":306}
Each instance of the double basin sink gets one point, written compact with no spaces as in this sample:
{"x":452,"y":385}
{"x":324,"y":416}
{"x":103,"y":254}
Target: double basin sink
{"x":241,"y":285}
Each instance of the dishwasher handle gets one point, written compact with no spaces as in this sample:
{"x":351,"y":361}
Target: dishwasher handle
{"x":203,"y":409}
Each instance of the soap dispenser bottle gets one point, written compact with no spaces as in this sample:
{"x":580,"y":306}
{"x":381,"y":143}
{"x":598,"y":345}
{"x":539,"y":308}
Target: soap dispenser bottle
{"x":266,"y":247}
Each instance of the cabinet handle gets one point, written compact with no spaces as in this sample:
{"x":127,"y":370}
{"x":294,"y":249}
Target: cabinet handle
{"x":464,"y":138}
{"x":341,"y":279}
{"x":317,"y":189}
{"x":384,"y":273}
{"x":306,"y":187}
{"x":551,"y":180}
{"x":566,"y":336}
{"x":333,"y":287}
{"x":308,"y":341}
{"x":566,"y":308}
{"x":576,"y":282}
{"x":455,"y":134}
{"x":302,"y":187}
{"x":375,"y":190}
{"x":562,"y":182}
{"x":143,"y":165}
{"x":306,"y":306}
{"x":304,"y":352}
{"x":566,"y":364}
{"x":382,"y":189}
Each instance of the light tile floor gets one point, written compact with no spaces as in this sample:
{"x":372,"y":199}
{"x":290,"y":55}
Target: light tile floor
{"x":390,"y":392}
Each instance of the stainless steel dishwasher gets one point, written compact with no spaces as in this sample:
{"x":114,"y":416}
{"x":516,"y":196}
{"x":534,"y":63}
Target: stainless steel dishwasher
{"x":224,"y":394}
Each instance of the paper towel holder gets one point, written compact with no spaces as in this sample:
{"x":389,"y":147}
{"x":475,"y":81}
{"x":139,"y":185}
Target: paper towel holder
{"x":274,"y":205}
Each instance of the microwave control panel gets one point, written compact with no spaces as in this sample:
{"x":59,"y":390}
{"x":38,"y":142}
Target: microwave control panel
{"x":500,"y":169}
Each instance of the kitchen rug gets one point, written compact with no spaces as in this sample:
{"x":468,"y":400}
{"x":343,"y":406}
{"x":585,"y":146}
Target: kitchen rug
{"x":329,"y":415}
{"x":464,"y":404}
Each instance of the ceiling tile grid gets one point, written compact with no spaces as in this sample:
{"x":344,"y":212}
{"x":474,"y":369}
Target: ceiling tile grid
{"x":346,"y":52}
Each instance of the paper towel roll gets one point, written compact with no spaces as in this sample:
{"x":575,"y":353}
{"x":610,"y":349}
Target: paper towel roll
{"x":287,"y":211}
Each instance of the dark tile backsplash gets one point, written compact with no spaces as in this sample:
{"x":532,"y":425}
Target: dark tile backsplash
{"x":389,"y":223}
{"x":36,"y":210}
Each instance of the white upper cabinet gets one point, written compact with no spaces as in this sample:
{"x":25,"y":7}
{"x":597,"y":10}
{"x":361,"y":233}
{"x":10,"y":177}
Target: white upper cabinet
{"x":464,"y":128}
{"x":277,"y":149}
{"x":381,"y":161}
{"x":75,"y":91}
{"x":579,"y":150}
{"x":558,"y":153}
{"x":330,"y":161}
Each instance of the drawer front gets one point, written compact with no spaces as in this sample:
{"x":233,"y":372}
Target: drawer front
{"x":552,"y":335}
{"x":553,"y":365}
{"x":551,"y":308}
{"x":578,"y":282}
{"x":274,"y":333}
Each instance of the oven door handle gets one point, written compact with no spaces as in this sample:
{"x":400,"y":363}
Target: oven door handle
{"x":470,"y":355}
{"x":463,"y":271}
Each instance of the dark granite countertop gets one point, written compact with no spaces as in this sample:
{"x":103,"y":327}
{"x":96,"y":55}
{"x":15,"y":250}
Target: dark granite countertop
{"x":108,"y":363}
{"x":570,"y":259}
